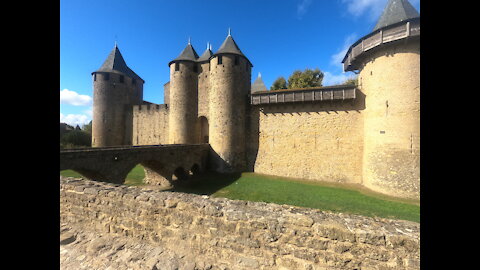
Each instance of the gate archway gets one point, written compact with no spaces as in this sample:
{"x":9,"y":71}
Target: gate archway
{"x":202,"y":130}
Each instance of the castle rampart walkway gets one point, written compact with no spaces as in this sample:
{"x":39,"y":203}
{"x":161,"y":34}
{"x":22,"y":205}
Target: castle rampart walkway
{"x":112,"y":164}
{"x":312,"y":94}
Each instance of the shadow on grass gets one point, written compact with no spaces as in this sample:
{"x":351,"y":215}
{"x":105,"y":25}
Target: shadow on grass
{"x":206,"y":183}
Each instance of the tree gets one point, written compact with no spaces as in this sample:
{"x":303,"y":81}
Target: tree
{"x":279,"y":83}
{"x":87,"y":128}
{"x":352,"y":81}
{"x":76,"y":138}
{"x":306,"y":78}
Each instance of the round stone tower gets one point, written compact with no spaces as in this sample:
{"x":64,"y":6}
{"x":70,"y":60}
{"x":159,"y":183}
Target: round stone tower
{"x":204,"y":81}
{"x":388,"y":61}
{"x":230,"y":81}
{"x":183,"y":105}
{"x":116,"y":88}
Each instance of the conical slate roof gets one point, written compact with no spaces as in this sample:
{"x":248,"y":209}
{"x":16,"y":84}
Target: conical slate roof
{"x":205,"y":55}
{"x":115,"y":62}
{"x":230,"y":46}
{"x":258,"y":84}
{"x":396,"y":11}
{"x":188,"y":54}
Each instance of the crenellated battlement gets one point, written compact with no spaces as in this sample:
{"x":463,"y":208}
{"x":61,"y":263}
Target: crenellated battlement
{"x":149,"y":108}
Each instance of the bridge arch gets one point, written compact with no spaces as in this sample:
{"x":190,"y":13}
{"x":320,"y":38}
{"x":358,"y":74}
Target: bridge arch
{"x":179,"y":174}
{"x":113,"y":164}
{"x":195,"y":170}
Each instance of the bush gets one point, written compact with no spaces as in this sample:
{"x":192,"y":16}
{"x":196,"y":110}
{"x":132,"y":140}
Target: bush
{"x":76,"y":138}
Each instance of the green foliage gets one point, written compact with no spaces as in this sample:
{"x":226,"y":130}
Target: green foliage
{"x":306,"y":78}
{"x":279,"y":83}
{"x":353,"y":81}
{"x":75,"y":138}
{"x":87,"y":128}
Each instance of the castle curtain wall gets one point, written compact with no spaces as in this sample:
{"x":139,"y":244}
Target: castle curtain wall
{"x":316,"y":141}
{"x":150,"y":124}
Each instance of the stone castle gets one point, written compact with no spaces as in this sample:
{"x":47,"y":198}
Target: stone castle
{"x":368,"y":134}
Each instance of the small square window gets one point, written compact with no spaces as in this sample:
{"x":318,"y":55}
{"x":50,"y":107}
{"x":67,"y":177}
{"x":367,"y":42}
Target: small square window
{"x":237,"y":60}
{"x":195,"y":68}
{"x":177,"y":67}
{"x":219,"y":59}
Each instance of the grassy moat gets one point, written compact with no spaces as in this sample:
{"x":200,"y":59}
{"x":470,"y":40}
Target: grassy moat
{"x":262,"y":188}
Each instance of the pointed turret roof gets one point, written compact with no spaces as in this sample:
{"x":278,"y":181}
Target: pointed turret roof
{"x":206,"y":54}
{"x":188,"y":54}
{"x":230,"y":46}
{"x":258,"y":84}
{"x":396,"y":11}
{"x":115,"y":62}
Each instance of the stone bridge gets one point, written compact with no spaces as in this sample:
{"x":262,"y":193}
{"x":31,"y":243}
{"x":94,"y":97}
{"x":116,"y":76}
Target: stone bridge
{"x":162,"y":163}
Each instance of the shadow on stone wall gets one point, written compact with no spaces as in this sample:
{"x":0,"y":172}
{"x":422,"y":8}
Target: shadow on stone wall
{"x":252,"y":140}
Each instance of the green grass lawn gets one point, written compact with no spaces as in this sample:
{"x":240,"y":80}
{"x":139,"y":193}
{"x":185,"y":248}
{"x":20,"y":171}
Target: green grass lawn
{"x":323,"y":196}
{"x":134,"y":177}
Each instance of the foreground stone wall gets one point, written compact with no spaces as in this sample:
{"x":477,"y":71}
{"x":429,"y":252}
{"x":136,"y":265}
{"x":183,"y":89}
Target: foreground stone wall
{"x":230,"y":234}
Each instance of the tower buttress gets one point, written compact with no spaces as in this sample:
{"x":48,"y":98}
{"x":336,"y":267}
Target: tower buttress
{"x":116,"y":88}
{"x":230,"y":78}
{"x":389,"y":76}
{"x":183,"y":107}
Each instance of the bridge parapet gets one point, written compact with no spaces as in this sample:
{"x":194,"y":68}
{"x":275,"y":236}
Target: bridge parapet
{"x":112,"y":164}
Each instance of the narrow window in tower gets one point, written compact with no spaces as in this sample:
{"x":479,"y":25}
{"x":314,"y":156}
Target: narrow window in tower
{"x":246,"y":66}
{"x":177,"y":67}
{"x":219,"y":59}
{"x":134,"y":81}
{"x":195,"y":68}
{"x":237,"y":60}
{"x":94,"y":77}
{"x":106,"y":76}
{"x":121,"y":78}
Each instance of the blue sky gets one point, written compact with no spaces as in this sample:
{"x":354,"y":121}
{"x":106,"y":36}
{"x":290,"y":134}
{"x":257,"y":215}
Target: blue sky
{"x":278,"y":36}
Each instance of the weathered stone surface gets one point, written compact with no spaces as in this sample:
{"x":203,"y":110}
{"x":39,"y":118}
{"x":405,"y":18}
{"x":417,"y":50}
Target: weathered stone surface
{"x":150,"y":229}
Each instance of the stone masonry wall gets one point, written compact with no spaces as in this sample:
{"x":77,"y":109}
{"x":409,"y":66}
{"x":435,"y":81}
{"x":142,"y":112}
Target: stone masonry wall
{"x":316,"y":141}
{"x":390,"y":79}
{"x":229,"y":234}
{"x":150,"y":124}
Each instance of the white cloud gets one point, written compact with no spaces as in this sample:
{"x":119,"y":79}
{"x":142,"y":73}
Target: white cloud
{"x":373,"y":8}
{"x":302,"y":7}
{"x":337,"y":58}
{"x":73,"y":98}
{"x":75,"y":119}
{"x":334,"y":79}
{"x":89,"y":111}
